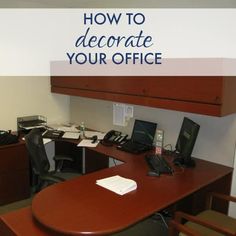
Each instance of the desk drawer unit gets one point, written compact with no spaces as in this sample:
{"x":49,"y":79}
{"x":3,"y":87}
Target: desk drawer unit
{"x":14,"y":173}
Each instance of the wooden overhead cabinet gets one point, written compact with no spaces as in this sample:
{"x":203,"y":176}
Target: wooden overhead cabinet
{"x":210,"y":95}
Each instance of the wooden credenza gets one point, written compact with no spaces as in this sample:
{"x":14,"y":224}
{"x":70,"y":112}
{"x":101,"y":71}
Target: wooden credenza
{"x":14,"y":173}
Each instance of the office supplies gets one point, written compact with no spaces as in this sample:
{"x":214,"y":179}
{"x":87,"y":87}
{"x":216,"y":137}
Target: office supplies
{"x":46,"y":140}
{"x":185,"y":143}
{"x":159,"y":141}
{"x":87,"y":143}
{"x":117,"y":184}
{"x":6,"y":137}
{"x":67,"y":128}
{"x":110,"y":137}
{"x":121,"y":139}
{"x":142,"y":137}
{"x":82,"y":130}
{"x":113,"y":137}
{"x":94,"y":139}
{"x":71,"y":135}
{"x":157,"y":164}
{"x":52,"y":134}
{"x":89,"y":134}
{"x":26,"y":123}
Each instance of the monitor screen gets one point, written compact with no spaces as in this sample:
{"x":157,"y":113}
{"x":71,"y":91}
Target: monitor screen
{"x":187,"y":138}
{"x":144,"y":132}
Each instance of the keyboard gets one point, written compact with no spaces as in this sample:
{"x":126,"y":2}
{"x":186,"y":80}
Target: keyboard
{"x":157,"y":164}
{"x":133,"y":147}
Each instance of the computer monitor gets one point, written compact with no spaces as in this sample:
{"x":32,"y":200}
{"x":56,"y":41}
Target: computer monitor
{"x":185,"y":142}
{"x":144,"y":132}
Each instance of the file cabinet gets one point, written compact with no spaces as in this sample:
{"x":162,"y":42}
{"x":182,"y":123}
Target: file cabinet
{"x":14,"y":173}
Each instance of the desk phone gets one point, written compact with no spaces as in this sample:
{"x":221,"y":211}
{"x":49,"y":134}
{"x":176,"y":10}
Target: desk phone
{"x":113,"y":137}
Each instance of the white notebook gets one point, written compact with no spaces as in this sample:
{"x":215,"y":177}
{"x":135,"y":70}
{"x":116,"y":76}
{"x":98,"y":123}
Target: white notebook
{"x":117,"y":184}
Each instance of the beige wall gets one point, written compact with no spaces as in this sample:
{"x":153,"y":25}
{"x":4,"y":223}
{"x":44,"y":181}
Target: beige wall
{"x":216,"y":139}
{"x":24,"y":96}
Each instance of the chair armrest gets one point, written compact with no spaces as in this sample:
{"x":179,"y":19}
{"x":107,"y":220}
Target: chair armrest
{"x":62,"y":158}
{"x":221,"y":196}
{"x":50,"y":178}
{"x":176,"y":227}
{"x":181,"y":215}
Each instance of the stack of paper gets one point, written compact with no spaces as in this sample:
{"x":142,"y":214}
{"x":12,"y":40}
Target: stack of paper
{"x":118,"y":184}
{"x":46,"y":140}
{"x":71,"y":128}
{"x":87,"y":143}
{"x":71,"y":135}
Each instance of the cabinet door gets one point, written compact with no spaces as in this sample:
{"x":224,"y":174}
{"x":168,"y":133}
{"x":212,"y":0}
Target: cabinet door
{"x":109,"y":84}
{"x":95,"y":161}
{"x":14,"y":186}
{"x":13,"y":157}
{"x":14,"y":173}
{"x":209,"y":95}
{"x":193,"y":89}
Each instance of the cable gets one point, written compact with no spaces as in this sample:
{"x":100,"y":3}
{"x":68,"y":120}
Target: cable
{"x":168,"y":145}
{"x":114,"y":161}
{"x":162,"y":219}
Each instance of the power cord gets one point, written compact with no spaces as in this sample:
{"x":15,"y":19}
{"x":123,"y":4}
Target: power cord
{"x":114,"y":161}
{"x":162,"y":215}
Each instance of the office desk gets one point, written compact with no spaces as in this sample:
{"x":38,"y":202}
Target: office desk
{"x":80,"y":207}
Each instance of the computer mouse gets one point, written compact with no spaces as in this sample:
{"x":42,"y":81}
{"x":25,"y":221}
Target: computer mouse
{"x":94,"y":139}
{"x":152,"y":173}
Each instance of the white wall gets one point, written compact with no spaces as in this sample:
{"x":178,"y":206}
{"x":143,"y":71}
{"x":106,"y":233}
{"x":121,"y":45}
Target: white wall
{"x":25,"y":96}
{"x":215,"y":142}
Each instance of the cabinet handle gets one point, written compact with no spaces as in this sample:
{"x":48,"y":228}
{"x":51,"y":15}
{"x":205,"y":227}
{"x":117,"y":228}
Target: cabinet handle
{"x":217,"y":99}
{"x":144,"y":91}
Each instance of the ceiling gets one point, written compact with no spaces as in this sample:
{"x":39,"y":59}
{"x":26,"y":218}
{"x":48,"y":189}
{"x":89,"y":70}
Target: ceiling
{"x":117,"y":4}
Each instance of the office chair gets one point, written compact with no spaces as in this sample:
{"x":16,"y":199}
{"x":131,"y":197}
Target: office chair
{"x":40,"y":163}
{"x":206,"y":223}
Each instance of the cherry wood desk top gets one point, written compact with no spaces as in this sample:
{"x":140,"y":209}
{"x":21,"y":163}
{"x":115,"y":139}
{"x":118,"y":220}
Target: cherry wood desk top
{"x":80,"y":207}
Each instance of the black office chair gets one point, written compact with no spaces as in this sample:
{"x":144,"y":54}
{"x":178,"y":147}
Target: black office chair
{"x":40,"y":163}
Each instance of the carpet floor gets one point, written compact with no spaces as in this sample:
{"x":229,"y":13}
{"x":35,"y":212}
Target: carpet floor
{"x":15,"y":205}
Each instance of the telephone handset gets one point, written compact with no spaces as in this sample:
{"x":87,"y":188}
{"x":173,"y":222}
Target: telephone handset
{"x":113,"y":137}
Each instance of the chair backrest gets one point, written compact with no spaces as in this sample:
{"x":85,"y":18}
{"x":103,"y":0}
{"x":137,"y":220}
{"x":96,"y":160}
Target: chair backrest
{"x":37,"y":152}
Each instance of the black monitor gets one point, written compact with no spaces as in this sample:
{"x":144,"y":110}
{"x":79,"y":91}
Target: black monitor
{"x":144,"y":132}
{"x":185,"y":142}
